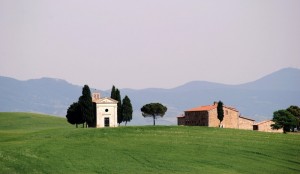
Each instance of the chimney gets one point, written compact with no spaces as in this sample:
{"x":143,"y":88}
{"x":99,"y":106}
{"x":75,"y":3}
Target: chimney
{"x":216,"y":103}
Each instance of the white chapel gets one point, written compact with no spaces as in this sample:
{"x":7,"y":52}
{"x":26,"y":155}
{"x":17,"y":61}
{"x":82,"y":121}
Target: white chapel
{"x":106,"y":111}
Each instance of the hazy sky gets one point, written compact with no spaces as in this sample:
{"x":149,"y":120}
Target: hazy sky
{"x":148,"y":43}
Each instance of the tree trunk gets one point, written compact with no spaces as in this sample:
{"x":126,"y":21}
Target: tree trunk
{"x":76,"y":125}
{"x":153,"y":120}
{"x":284,"y":130}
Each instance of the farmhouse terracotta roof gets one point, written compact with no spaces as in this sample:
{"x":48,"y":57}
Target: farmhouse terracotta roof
{"x":209,"y":107}
{"x":203,"y":108}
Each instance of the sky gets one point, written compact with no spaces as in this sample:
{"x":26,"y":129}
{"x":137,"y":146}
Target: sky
{"x":148,"y":43}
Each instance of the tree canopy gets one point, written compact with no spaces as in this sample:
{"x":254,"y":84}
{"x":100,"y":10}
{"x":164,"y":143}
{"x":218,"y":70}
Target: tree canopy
{"x":126,"y":110}
{"x":295,"y":110}
{"x":154,"y":110}
{"x":284,"y":119}
{"x":220,"y":111}
{"x":74,"y":114}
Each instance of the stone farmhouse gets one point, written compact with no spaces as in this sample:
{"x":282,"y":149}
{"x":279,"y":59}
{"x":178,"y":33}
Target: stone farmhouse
{"x":208,"y":116}
{"x":106,"y":110}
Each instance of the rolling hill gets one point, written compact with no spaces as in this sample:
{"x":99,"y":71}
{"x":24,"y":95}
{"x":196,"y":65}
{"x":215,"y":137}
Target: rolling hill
{"x":34,"y":143}
{"x":257,"y":99}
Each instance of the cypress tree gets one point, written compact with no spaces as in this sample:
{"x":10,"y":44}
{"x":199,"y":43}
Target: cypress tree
{"x":118,"y":98}
{"x":86,"y":104}
{"x":113,"y":92}
{"x":126,"y":110}
{"x":220,"y":111}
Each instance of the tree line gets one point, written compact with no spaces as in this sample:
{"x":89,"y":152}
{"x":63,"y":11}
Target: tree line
{"x":84,"y":110}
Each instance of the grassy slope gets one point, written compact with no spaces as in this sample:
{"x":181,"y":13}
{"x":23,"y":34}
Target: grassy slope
{"x":32,"y":143}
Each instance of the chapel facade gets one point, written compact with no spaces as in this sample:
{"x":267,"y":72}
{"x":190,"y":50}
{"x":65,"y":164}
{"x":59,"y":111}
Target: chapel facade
{"x":105,"y":110}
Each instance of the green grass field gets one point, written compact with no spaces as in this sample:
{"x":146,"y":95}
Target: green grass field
{"x":33,"y":143}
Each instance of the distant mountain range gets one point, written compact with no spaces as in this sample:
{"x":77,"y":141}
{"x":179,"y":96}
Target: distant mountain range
{"x":257,"y":99}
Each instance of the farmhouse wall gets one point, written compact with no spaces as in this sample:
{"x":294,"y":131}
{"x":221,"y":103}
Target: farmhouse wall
{"x":230,"y":119}
{"x":196,"y":118}
{"x":181,"y":120}
{"x":266,"y":127}
{"x":245,"y":123}
{"x":213,"y":118}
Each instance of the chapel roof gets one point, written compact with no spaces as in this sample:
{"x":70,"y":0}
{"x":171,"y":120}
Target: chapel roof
{"x":105,"y":100}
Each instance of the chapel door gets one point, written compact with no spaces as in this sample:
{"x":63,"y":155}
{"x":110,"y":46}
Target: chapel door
{"x":106,"y":121}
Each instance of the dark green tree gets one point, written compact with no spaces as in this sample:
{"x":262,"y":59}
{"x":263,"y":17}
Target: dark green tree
{"x":283,"y":119}
{"x":295,"y":110}
{"x":113,"y":92}
{"x":126,"y":110}
{"x":74,"y":114}
{"x":220,"y":111}
{"x":154,"y":110}
{"x":118,"y":98}
{"x":86,"y":104}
